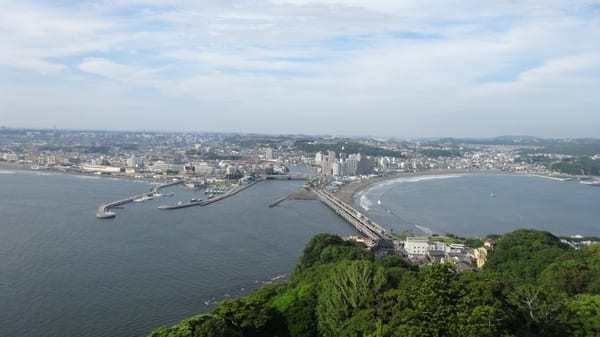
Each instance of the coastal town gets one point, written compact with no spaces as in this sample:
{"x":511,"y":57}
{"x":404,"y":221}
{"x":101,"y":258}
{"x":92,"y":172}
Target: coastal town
{"x":218,"y":156}
{"x":335,"y":169}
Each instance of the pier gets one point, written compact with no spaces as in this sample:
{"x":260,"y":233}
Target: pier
{"x":362,"y":223}
{"x":103,"y":211}
{"x":211,"y":200}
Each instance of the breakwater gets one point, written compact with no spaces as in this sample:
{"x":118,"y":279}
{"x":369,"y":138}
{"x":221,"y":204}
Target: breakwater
{"x":103,"y":211}
{"x":228,"y":194}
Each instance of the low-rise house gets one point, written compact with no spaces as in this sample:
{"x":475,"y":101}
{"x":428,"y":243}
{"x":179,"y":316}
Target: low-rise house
{"x":436,"y":256}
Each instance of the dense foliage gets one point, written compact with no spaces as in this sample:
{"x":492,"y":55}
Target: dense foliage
{"x":434,"y":153}
{"x":348,"y":147}
{"x":574,"y":147}
{"x":582,"y":165}
{"x":533,"y":285}
{"x":211,"y":155}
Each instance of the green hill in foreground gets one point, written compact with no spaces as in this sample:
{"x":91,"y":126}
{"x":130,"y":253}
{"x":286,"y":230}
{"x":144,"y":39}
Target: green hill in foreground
{"x":532,"y":285}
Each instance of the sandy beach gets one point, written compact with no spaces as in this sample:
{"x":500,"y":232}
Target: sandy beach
{"x":348,"y":191}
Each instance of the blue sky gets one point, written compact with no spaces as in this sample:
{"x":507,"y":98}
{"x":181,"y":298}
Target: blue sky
{"x":383,"y":68}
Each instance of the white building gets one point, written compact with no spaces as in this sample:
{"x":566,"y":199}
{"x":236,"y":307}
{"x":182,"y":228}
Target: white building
{"x":101,"y":168}
{"x":336,"y":169}
{"x":438,"y":245}
{"x":416,"y":246}
{"x":203,"y":168}
{"x":268,"y":153}
{"x":161,"y":167}
{"x":10,"y":156}
{"x":318,"y":158}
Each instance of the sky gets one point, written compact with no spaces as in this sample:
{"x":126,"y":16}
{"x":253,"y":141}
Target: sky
{"x":402,"y":68}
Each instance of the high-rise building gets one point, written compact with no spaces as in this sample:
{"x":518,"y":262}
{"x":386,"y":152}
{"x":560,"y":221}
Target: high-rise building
{"x":318,"y":158}
{"x":350,"y":166}
{"x":134,"y":162}
{"x":331,"y":156}
{"x":269,"y":153}
{"x":336,"y":169}
{"x":325,"y":166}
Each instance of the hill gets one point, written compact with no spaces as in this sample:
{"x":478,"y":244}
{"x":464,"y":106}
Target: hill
{"x":532,"y":285}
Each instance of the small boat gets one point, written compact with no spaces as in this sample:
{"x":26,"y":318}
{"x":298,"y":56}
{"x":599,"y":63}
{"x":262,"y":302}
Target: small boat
{"x":378,"y":202}
{"x":193,"y":186}
{"x":493,"y":195}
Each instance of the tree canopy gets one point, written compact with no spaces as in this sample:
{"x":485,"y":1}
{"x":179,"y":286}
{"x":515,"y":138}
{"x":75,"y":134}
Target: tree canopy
{"x":532,"y":285}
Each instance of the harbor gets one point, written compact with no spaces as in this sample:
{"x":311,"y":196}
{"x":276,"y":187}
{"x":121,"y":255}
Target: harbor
{"x":104,"y":212}
{"x":215,"y":193}
{"x":209,"y":201}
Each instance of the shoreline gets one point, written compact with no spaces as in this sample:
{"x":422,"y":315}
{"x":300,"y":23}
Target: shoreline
{"x":16,"y":168}
{"x":348,"y":192}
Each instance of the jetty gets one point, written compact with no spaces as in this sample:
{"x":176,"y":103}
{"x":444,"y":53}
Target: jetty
{"x":228,"y":194}
{"x":278,"y":201}
{"x":103,"y":211}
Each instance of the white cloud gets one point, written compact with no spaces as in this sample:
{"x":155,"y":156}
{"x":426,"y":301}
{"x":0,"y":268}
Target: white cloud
{"x":414,"y":63}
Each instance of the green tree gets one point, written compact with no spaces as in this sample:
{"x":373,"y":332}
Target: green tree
{"x":350,"y":288}
{"x":584,"y":315}
{"x":541,"y":308}
{"x":523,"y":254}
{"x":326,"y":248}
{"x":199,"y":326}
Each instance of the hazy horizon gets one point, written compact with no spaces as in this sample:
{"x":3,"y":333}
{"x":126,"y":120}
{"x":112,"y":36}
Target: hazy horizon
{"x":299,"y":134}
{"x":405,"y":69}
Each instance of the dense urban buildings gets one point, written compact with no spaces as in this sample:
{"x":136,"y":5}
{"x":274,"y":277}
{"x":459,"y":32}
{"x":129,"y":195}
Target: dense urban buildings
{"x":155,"y":155}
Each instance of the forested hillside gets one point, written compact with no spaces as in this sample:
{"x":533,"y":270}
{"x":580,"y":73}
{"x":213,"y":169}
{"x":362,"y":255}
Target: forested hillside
{"x":532,"y":285}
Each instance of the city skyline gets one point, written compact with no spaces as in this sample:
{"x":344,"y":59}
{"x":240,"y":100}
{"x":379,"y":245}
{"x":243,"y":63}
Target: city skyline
{"x":381,"y":68}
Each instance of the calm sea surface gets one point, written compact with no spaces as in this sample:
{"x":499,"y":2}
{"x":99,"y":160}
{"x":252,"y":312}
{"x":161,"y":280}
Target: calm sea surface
{"x":65,"y":273}
{"x":474,"y":205}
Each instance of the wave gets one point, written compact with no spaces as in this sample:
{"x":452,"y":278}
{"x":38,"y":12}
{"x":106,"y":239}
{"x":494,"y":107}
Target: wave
{"x":424,"y":229}
{"x":365,"y":202}
{"x":86,"y":177}
{"x":411,"y":180}
{"x":44,"y":174}
{"x":278,"y":277}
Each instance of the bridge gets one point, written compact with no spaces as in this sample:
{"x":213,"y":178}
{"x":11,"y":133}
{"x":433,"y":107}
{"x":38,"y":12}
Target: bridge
{"x":362,"y":223}
{"x":295,"y":176}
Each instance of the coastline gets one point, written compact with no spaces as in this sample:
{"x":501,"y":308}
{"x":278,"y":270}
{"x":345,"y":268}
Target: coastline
{"x":11,"y":167}
{"x":348,"y":192}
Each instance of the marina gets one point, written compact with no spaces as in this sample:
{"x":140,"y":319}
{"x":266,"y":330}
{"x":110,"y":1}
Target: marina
{"x":104,"y":212}
{"x":214,"y":193}
{"x":231,"y":192}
